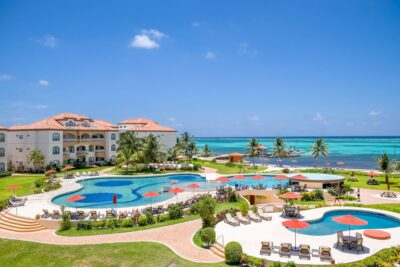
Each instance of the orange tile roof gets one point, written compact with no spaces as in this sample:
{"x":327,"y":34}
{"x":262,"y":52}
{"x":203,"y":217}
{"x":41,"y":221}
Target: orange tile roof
{"x":53,"y":123}
{"x":146,"y":125}
{"x":3,"y":128}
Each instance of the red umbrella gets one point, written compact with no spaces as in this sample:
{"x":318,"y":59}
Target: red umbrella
{"x":281,"y":177}
{"x":340,"y":163}
{"x":193,"y":186}
{"x":151,"y":195}
{"x":68,"y":167}
{"x":290,"y":195}
{"x":349,"y":220}
{"x":373,"y":174}
{"x":75,"y":198}
{"x":223,"y":179}
{"x":257,"y":177}
{"x":51,"y":171}
{"x":293,"y":160}
{"x":115,"y":200}
{"x":175,"y":191}
{"x":295,"y":224}
{"x":299,"y":176}
{"x":239,"y":177}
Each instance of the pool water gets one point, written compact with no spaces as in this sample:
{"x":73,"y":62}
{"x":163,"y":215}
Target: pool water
{"x":99,"y":192}
{"x":325,"y":225}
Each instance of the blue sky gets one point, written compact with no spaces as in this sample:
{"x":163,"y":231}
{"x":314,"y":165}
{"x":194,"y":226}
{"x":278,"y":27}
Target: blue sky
{"x":214,"y":68}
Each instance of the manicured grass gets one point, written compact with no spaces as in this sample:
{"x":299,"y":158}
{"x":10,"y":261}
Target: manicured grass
{"x":225,"y":169}
{"x":74,"y":232}
{"x":389,"y":207}
{"x":311,"y":202}
{"x":228,"y":205}
{"x":26,"y":181}
{"x":20,"y":253}
{"x":197,"y":239}
{"x":100,"y":168}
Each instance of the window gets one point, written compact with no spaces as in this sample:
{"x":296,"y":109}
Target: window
{"x":20,"y":136}
{"x":56,"y":150}
{"x":70,"y":124}
{"x":113,"y":136}
{"x":85,"y":124}
{"x":91,"y":148}
{"x":85,"y":136}
{"x":2,"y":167}
{"x":91,"y":160}
{"x":71,"y":149}
{"x":113,"y":147}
{"x":2,"y":152}
{"x":56,"y":137}
{"x":20,"y":150}
{"x":2,"y":137}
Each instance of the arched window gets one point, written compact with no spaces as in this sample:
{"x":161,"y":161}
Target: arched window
{"x":85,"y":136}
{"x":81,"y":148}
{"x":113,"y":136}
{"x":91,"y":148}
{"x":56,"y":150}
{"x":56,"y":137}
{"x":70,"y":124}
{"x":2,"y":167}
{"x":113,"y":147}
{"x":71,"y":149}
{"x":2,"y":152}
{"x":2,"y":137}
{"x":85,"y":124}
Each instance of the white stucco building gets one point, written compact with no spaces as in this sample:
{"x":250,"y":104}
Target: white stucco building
{"x":3,"y":149}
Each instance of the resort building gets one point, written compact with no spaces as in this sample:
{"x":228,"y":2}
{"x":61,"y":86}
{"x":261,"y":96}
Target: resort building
{"x":144,"y":127}
{"x":68,"y":137}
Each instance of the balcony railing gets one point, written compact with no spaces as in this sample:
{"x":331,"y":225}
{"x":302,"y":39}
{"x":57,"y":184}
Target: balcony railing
{"x":83,"y":139}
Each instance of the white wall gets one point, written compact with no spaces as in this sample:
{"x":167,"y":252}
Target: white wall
{"x":3,"y":145}
{"x":167,"y":139}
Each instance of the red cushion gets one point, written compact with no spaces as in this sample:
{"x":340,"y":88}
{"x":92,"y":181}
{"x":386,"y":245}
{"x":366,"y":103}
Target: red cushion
{"x":377,"y":234}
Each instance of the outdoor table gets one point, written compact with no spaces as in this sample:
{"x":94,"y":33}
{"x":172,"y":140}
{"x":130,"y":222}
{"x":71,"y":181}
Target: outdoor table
{"x":290,"y":211}
{"x":350,"y":240}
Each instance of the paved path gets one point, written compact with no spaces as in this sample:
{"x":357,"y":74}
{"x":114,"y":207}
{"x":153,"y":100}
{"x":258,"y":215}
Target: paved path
{"x":178,"y":237}
{"x":369,"y":196}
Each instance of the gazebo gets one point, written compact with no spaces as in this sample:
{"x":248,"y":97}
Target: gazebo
{"x":236,"y":157}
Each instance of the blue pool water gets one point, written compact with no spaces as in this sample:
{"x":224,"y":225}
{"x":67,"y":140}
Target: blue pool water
{"x":325,"y":226}
{"x":99,"y":192}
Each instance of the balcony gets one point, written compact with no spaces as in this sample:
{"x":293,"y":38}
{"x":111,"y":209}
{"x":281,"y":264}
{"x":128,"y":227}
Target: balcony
{"x":70,"y":139}
{"x":81,"y":152}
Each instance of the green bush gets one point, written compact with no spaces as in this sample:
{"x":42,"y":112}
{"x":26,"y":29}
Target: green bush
{"x":84,"y":225}
{"x":285,"y":170}
{"x":206,"y":210}
{"x":194,"y":209}
{"x":232,"y":196}
{"x":233,"y":252}
{"x":113,"y":223}
{"x":3,"y":204}
{"x":175,"y":212}
{"x":276,"y":264}
{"x":127,"y":223}
{"x":290,"y":264}
{"x":66,"y":220}
{"x":244,"y":208}
{"x":208,"y":235}
{"x":52,"y":186}
{"x":38,"y":191}
{"x":99,"y":224}
{"x":319,"y":194}
{"x":4,"y":174}
{"x":142,"y":220}
{"x":150,"y":218}
{"x":163,"y":218}
{"x":40,"y":182}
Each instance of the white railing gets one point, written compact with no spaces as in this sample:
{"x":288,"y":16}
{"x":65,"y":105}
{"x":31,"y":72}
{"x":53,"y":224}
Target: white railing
{"x":221,"y":237}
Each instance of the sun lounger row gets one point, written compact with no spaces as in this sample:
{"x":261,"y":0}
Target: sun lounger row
{"x":304,"y":251}
{"x":250,"y":217}
{"x":78,"y":174}
{"x":15,"y":201}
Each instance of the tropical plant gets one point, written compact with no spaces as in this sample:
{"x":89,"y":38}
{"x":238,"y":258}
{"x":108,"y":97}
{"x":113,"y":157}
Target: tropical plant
{"x":152,"y":149}
{"x":320,"y":148}
{"x":129,"y":140}
{"x":279,"y":148}
{"x":385,"y":165}
{"x":208,"y":235}
{"x":66,"y":220}
{"x":184,"y":144}
{"x":206,"y":151}
{"x":126,"y":158}
{"x":253,"y":150}
{"x":172,"y":154}
{"x":36,"y":158}
{"x":206,"y":211}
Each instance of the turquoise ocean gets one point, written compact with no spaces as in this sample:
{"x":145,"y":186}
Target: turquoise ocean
{"x":355,"y":152}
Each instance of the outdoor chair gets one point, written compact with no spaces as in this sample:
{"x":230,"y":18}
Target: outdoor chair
{"x":109,"y":214}
{"x":358,"y":236}
{"x":325,"y":253}
{"x":46,"y":213}
{"x":266,"y":248}
{"x":341,"y":241}
{"x":230,"y":220}
{"x":285,"y":250}
{"x":16,"y":203}
{"x":56,"y":214}
{"x":93,"y":215}
{"x":123,"y":214}
{"x":304,"y":251}
{"x":254,"y":217}
{"x":358,"y":244}
{"x":17,"y":199}
{"x":81,"y":214}
{"x":242,"y":219}
{"x":265,"y":216}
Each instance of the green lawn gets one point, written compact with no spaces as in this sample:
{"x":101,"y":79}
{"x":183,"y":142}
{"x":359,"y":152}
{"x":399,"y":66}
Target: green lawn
{"x":197,"y":239}
{"x":27,"y":181}
{"x":224,"y":169}
{"x":311,"y":202}
{"x":389,"y":207}
{"x":20,"y":253}
{"x":61,"y":173}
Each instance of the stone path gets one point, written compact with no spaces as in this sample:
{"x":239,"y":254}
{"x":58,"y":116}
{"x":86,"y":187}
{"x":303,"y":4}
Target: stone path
{"x":177,"y":237}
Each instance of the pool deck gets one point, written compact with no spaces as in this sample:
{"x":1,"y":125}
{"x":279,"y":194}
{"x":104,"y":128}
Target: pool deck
{"x":250,"y":237}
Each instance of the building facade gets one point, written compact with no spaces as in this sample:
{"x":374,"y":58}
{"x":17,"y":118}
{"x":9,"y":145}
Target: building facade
{"x":67,"y":137}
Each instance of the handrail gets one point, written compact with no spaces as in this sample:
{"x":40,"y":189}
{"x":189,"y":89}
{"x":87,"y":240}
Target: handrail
{"x":222,"y":238}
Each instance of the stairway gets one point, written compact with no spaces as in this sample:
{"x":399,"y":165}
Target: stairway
{"x":329,"y":198}
{"x":15,"y":223}
{"x":218,"y":250}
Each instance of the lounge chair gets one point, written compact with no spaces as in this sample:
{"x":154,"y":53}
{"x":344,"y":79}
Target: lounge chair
{"x":358,"y":244}
{"x":325,"y":253}
{"x":304,"y":251}
{"x":265,"y":216}
{"x":46,"y":214}
{"x":296,"y":212}
{"x":254,"y":217}
{"x":109,"y":214}
{"x":81,"y":214}
{"x":16,"y":199}
{"x":230,"y":220}
{"x":16,"y":203}
{"x":266,"y":247}
{"x":93,"y":215}
{"x":242,"y":219}
{"x":123,"y":214}
{"x":285,"y":250}
{"x":56,"y":214}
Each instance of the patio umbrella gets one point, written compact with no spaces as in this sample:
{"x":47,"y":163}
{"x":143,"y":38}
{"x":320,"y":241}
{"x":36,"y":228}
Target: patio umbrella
{"x":349,"y":220}
{"x":223,"y":179}
{"x":151,"y":195}
{"x":290,"y":196}
{"x":340,"y":163}
{"x":373,"y":174}
{"x":68,"y":167}
{"x":258,"y":178}
{"x":280,"y":177}
{"x":295,"y":224}
{"x":299,"y":176}
{"x":13,"y":188}
{"x":115,"y":201}
{"x":193,"y":186}
{"x":75,"y":198}
{"x":51,"y":171}
{"x":175,"y":191}
{"x":239,"y":177}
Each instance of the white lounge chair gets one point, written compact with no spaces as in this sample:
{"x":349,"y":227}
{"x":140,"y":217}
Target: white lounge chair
{"x":264,"y":215}
{"x":242,"y":219}
{"x":254,"y":217}
{"x":230,"y":220}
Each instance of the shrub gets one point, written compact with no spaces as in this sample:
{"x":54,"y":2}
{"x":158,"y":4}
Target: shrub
{"x":66,"y":220}
{"x":254,"y":208}
{"x":230,"y":164}
{"x":175,"y":212}
{"x":84,"y":225}
{"x":206,"y":210}
{"x":150,"y":218}
{"x":233,"y":252}
{"x":142,"y":220}
{"x":319,"y":194}
{"x":290,"y":264}
{"x":244,"y":208}
{"x":113,"y":223}
{"x":127,"y":223}
{"x":163,"y":218}
{"x":285,"y":170}
{"x":3,"y":204}
{"x":232,"y":197}
{"x":4,"y":174}
{"x":194,"y":209}
{"x":52,"y":186}
{"x":208,"y":235}
{"x":99,"y":224}
{"x":276,"y":264}
{"x":40,"y":182}
{"x":38,"y":191}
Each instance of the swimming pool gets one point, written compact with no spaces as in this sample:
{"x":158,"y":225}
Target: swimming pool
{"x":325,"y":225}
{"x":99,"y":192}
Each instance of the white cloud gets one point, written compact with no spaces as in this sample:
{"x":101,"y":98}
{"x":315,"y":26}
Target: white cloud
{"x":43,"y":82}
{"x":320,"y":118}
{"x":210,"y":55}
{"x":40,"y":106}
{"x":196,"y":24}
{"x":245,"y":49}
{"x":375,"y":113}
{"x":48,"y":41}
{"x":5,"y":77}
{"x":254,"y":118}
{"x":175,"y":123}
{"x":147,"y":39}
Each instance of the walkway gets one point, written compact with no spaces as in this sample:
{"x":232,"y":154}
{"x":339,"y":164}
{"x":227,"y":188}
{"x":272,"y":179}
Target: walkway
{"x":178,"y":237}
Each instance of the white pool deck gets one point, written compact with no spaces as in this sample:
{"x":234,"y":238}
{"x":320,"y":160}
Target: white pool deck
{"x":251,"y":235}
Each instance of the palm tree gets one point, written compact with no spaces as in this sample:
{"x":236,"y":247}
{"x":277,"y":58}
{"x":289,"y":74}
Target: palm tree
{"x":152,"y":149}
{"x":253,"y":150}
{"x":36,"y":158}
{"x":191,"y":149}
{"x":172,"y":154}
{"x":206,"y":151}
{"x":320,"y":148}
{"x":184,"y":143}
{"x":126,"y":158}
{"x":385,"y":165}
{"x":129,"y":140}
{"x":279,"y":148}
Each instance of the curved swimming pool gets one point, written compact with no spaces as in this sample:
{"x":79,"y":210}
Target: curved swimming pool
{"x":325,"y":225}
{"x":99,"y":192}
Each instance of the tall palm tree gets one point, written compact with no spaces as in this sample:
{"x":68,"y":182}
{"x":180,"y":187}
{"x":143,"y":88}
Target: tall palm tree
{"x":279,"y":148}
{"x":206,"y":151}
{"x":129,"y":140}
{"x":126,"y":158}
{"x":253,"y":150}
{"x":172,"y":154}
{"x":184,"y":144}
{"x":152,"y":149}
{"x":36,"y":158}
{"x":320,"y":148}
{"x":385,"y":165}
{"x":191,"y":149}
